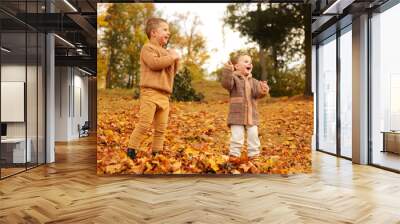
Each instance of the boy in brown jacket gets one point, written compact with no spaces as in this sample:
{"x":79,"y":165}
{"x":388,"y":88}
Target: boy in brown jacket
{"x":158,"y":67}
{"x":244,"y":90}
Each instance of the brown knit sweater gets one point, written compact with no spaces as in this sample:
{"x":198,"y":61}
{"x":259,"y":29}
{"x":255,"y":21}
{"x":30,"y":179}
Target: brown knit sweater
{"x":157,"y":68}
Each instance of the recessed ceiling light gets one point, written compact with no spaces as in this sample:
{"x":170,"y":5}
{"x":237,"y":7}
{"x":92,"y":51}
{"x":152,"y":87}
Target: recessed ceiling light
{"x":64,"y":40}
{"x":337,"y":7}
{"x":70,"y":5}
{"x":5,"y":49}
{"x":86,"y":72}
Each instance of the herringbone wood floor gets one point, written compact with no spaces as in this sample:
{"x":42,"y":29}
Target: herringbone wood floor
{"x":70,"y":192}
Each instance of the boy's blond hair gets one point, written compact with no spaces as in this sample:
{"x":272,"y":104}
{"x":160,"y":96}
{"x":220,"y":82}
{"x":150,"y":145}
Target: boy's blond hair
{"x":152,"y":24}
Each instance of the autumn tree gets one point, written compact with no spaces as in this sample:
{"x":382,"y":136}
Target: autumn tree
{"x":276,"y":28}
{"x":101,"y":68}
{"x":138,"y":15}
{"x":186,"y":37}
{"x":102,"y":52}
{"x":123,"y":38}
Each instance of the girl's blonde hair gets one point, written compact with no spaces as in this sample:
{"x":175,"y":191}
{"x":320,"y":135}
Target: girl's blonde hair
{"x":235,"y":56}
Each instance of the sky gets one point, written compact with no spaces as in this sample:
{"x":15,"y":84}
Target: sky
{"x":211,"y":16}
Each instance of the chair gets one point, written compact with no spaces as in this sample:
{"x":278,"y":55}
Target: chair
{"x":84,"y":130}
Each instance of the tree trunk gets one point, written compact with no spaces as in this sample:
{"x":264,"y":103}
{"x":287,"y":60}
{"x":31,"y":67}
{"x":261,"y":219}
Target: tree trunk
{"x":109,"y":73}
{"x":275,"y":56}
{"x":129,"y":84}
{"x":189,"y":47}
{"x":137,"y":78}
{"x":261,"y":53}
{"x":308,"y":50}
{"x":108,"y":78}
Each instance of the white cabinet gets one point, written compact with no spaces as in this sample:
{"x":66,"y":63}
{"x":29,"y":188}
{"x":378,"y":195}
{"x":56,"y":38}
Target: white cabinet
{"x":17,"y":147}
{"x":12,"y":101}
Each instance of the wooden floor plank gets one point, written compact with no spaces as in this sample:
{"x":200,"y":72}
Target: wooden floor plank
{"x":69,"y":191}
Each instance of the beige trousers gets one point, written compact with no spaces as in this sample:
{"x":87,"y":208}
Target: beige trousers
{"x":154,"y":109}
{"x":237,"y":140}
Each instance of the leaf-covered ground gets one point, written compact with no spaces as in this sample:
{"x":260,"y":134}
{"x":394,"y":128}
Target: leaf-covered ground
{"x":197,"y":138}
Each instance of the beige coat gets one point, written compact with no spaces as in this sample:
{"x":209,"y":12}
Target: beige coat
{"x":244,"y":92}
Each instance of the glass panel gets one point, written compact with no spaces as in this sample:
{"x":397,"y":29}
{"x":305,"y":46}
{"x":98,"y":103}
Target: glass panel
{"x":23,"y":82}
{"x":15,"y":8}
{"x":41,"y":98}
{"x":327,"y":96}
{"x":31,"y":101}
{"x":13,"y":87}
{"x":346,"y":94}
{"x":385,"y":84}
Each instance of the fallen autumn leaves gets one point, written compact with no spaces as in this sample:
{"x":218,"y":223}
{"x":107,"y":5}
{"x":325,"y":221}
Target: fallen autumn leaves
{"x":197,"y":138}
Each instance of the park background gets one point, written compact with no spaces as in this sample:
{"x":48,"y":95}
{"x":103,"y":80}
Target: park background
{"x":205,"y":35}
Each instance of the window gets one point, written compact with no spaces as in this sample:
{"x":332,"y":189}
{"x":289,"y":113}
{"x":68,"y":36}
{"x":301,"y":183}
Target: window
{"x":327,"y":95}
{"x":346,"y":92}
{"x":22,"y":76}
{"x":385,"y":89}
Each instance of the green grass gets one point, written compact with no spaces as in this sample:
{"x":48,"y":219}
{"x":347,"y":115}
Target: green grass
{"x":212,"y":90}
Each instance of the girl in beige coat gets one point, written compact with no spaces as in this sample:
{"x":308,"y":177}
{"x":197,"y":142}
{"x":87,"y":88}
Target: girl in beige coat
{"x":244,"y":90}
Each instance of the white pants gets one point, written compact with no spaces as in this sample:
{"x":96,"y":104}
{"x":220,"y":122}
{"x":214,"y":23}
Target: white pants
{"x":237,"y":140}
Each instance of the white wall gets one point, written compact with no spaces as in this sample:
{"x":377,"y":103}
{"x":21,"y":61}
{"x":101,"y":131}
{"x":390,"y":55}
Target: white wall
{"x":34,"y":124}
{"x":71,"y":93}
{"x":80,"y":102}
{"x":62,"y":80}
{"x":15,"y":72}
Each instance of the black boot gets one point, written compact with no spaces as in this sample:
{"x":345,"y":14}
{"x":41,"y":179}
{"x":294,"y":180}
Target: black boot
{"x":131,"y":153}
